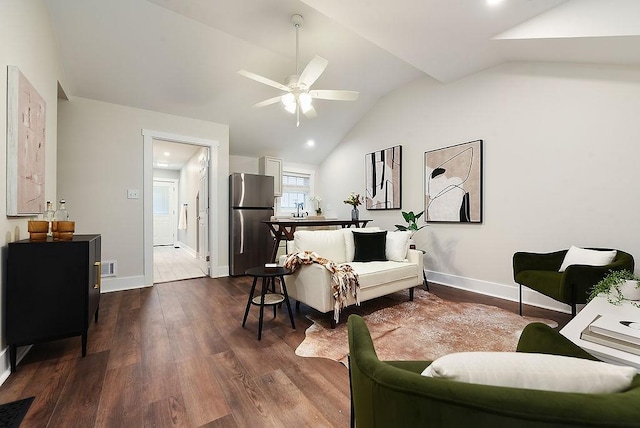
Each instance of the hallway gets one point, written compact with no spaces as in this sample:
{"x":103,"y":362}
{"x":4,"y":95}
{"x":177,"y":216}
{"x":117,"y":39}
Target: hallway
{"x":174,"y":264}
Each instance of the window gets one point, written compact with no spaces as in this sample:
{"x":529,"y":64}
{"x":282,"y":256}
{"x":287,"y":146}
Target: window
{"x":160,"y":200}
{"x":296,"y":189}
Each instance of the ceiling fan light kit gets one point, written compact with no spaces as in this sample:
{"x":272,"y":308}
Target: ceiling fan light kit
{"x":289,"y":101}
{"x":298,"y":95}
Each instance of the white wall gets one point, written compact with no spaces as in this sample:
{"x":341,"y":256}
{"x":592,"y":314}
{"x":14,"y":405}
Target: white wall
{"x":245,"y":164}
{"x":561,"y":145}
{"x":26,"y":41}
{"x":166,"y":173}
{"x":101,"y":156}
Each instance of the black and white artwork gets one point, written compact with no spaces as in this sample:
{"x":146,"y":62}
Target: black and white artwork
{"x":383,"y":179}
{"x":453,"y":184}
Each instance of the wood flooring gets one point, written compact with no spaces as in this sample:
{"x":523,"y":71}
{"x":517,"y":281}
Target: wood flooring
{"x":176,"y":355}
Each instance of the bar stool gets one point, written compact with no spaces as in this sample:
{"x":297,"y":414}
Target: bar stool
{"x":267,"y":298}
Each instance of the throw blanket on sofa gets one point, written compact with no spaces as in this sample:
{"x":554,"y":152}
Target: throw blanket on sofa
{"x":344,"y":281}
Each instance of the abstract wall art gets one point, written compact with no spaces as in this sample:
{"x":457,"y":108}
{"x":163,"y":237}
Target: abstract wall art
{"x":383,"y":179}
{"x":453,"y":184}
{"x":25,"y":146}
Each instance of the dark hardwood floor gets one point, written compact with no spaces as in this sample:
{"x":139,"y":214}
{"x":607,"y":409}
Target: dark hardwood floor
{"x":176,"y":355}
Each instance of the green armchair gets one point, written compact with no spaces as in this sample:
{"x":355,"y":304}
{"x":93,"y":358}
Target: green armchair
{"x":395,"y":394}
{"x":539,"y":272}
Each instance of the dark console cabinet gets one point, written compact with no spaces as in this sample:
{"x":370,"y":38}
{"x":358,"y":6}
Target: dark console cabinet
{"x":53,"y":290}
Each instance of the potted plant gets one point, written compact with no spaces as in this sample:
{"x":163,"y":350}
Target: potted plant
{"x":412,"y":225}
{"x":412,"y":222}
{"x":619,"y":286}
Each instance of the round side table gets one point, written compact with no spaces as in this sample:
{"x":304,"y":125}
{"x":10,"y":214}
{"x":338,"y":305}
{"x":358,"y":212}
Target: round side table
{"x":268,"y":296}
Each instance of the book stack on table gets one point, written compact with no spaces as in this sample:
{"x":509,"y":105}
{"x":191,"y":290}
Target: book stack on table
{"x":616,"y":333}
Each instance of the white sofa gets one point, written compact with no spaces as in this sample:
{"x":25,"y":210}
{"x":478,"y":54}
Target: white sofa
{"x":311,"y":284}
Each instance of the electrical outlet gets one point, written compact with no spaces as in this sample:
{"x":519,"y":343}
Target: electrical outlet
{"x":133,"y":194}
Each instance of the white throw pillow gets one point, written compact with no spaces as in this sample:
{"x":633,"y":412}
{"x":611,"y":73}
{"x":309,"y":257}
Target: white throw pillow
{"x":532,"y":371}
{"x":583,"y":256}
{"x":350,"y":246}
{"x":397,"y":245}
{"x":326,"y":243}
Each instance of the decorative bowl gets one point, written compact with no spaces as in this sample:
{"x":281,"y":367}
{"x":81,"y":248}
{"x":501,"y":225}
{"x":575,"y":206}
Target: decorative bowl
{"x":37,"y":236}
{"x":41,"y":226}
{"x":62,"y":236}
{"x":63,"y":226}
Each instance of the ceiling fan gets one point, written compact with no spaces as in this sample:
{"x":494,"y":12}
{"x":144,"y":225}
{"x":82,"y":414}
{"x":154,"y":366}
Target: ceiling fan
{"x":299,"y":95}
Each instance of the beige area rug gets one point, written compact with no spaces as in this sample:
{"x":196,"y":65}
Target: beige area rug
{"x":424,"y":329}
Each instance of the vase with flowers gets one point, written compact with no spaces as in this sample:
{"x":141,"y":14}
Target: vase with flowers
{"x":354,"y":199}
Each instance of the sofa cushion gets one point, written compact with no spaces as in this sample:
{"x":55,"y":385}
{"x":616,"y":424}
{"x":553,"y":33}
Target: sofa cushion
{"x":350,"y":247}
{"x":370,"y":247}
{"x":329,"y":244}
{"x":584,"y":256}
{"x":372,"y":274}
{"x":397,"y":245}
{"x":547,"y":282}
{"x":532,"y":371}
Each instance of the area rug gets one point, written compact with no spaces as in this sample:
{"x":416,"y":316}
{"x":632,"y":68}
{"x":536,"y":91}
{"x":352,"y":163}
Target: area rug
{"x":424,"y":329}
{"x":11,"y":414}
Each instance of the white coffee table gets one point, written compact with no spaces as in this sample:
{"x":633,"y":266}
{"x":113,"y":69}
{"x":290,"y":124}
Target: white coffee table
{"x":600,"y":306}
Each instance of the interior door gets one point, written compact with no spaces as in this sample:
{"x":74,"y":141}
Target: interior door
{"x":164,"y":212}
{"x":203,"y":213}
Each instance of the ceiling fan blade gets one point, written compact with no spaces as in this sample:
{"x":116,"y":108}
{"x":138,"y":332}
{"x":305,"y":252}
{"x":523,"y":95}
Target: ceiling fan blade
{"x":312,"y":71}
{"x":268,"y":102}
{"x":264,"y":80}
{"x":310,"y":113}
{"x":334,"y":94}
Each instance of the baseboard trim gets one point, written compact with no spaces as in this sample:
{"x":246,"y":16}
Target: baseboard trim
{"x":188,"y":249}
{"x":220,"y":271}
{"x":502,"y":291}
{"x":4,"y":357}
{"x":125,"y":283}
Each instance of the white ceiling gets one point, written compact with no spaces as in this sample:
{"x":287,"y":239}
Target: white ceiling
{"x":181,"y":56}
{"x":173,"y":156}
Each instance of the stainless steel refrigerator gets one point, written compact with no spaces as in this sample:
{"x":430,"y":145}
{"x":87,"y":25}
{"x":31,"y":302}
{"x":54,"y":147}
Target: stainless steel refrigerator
{"x":250,"y":203}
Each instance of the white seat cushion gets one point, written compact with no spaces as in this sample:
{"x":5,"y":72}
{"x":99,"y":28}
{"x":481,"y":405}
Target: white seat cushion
{"x":371,"y":274}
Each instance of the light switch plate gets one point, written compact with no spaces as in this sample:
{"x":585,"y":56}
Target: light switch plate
{"x":133,"y":194}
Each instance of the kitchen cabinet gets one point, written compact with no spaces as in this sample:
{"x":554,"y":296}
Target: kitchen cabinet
{"x":273,"y":167}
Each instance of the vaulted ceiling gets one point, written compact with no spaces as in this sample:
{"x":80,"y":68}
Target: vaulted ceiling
{"x":182,"y":56}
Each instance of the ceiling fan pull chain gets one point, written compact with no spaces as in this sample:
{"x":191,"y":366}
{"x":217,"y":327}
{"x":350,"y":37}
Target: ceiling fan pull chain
{"x":297,"y":48}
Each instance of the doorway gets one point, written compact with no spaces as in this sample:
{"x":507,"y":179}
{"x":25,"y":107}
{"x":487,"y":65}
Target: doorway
{"x":167,"y":257}
{"x":177,"y":175}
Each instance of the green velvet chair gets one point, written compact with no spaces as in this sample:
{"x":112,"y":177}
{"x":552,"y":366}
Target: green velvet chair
{"x":395,"y":394}
{"x":539,"y":272}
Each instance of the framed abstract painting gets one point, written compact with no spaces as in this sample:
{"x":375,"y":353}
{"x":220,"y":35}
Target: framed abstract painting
{"x":383,"y":179}
{"x":453,"y":184}
{"x":26,"y":120}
